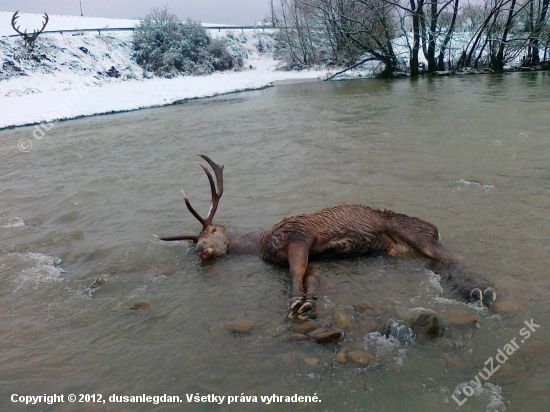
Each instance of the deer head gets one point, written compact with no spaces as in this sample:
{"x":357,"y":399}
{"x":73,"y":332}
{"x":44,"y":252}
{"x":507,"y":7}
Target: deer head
{"x":29,"y":39}
{"x":212,"y":240}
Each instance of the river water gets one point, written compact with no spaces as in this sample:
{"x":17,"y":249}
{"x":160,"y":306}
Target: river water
{"x":469,"y":154}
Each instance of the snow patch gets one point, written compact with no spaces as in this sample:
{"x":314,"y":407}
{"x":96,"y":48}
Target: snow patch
{"x":74,"y":75}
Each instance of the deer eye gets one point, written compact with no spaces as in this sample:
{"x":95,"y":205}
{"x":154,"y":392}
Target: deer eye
{"x":214,"y":230}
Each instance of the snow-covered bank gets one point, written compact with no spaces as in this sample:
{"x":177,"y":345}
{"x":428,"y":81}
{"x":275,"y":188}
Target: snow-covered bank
{"x":87,"y":74}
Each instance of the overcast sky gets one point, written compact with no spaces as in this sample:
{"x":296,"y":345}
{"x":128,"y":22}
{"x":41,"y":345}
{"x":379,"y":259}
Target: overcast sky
{"x":243,"y":12}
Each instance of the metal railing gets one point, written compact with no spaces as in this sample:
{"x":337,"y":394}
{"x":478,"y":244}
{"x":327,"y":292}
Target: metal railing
{"x":219,"y":28}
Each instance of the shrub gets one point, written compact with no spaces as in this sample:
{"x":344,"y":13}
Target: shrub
{"x":167,"y":47}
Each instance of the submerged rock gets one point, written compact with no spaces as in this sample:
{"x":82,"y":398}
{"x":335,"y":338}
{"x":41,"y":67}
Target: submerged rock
{"x":92,"y":289}
{"x":240,"y":325}
{"x":399,"y":331}
{"x":324,"y":335}
{"x":305,"y":327}
{"x":361,"y":306}
{"x":298,"y":336}
{"x":141,"y":305}
{"x":343,"y":320}
{"x":340,"y":357}
{"x":427,"y":325}
{"x":360,"y":357}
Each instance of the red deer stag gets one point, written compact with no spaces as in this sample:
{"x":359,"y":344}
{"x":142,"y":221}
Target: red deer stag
{"x":347,"y":230}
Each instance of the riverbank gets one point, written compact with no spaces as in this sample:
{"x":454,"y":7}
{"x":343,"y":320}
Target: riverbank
{"x":85,"y":74}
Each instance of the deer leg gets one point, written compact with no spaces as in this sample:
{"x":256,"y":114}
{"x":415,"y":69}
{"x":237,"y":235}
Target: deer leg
{"x":423,"y":238}
{"x":472,"y":289}
{"x":297,"y":254}
{"x":311,"y":286}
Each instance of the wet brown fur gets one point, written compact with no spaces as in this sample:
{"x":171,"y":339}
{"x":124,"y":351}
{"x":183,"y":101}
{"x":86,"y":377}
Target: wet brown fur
{"x":346,"y":230}
{"x":349,"y":230}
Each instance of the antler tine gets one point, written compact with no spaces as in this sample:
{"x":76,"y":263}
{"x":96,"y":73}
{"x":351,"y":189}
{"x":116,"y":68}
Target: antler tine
{"x":36,"y":33}
{"x":218,"y":170}
{"x":45,"y":22}
{"x":193,"y":212}
{"x":216,"y":194}
{"x":13,"y":20}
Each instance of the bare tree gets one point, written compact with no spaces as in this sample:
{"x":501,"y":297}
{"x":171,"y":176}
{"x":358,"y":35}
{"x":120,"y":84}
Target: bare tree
{"x":536,"y":31}
{"x":340,"y":32}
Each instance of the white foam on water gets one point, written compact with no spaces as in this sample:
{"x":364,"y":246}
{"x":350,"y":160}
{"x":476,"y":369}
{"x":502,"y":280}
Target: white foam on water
{"x":45,"y":269}
{"x":467,"y":183}
{"x":385,"y":347}
{"x":434,"y":280}
{"x":477,"y":307}
{"x":491,"y":391}
{"x":496,"y":403}
{"x":420,"y":309}
{"x":11,"y":222}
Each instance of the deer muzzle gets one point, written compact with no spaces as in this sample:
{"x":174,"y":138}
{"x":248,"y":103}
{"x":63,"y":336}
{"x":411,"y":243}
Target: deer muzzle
{"x":203,"y":250}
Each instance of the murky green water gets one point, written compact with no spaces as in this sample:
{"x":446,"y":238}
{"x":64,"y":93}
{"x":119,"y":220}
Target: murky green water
{"x":469,"y":154}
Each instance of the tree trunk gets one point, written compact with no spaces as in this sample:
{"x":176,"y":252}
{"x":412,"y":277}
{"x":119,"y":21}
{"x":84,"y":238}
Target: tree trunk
{"x":534,"y":39}
{"x":448,"y":36}
{"x":499,"y":61}
{"x":432,"y":63}
{"x":416,"y":16}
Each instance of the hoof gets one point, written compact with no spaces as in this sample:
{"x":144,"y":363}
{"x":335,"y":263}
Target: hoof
{"x":476,"y":295}
{"x":306,"y":310}
{"x":489,"y":297}
{"x":294,"y":306}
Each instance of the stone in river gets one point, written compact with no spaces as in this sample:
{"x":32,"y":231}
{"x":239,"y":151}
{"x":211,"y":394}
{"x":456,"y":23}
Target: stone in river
{"x":311,"y":361}
{"x":239,"y":325}
{"x":305,"y":327}
{"x":141,"y":305}
{"x":361,"y":306}
{"x":340,"y":357}
{"x":427,"y":324}
{"x":324,"y":335}
{"x":343,"y":320}
{"x":360,"y":357}
{"x":298,"y":336}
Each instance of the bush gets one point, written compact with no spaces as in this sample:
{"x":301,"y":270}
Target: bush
{"x":167,"y":47}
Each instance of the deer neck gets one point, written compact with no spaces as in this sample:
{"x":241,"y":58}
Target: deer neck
{"x":244,"y":243}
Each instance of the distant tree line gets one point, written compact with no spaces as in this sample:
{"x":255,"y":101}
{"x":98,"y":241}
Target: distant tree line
{"x":452,"y":34}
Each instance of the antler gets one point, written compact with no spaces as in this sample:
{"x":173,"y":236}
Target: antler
{"x":13,"y":19}
{"x":28,"y":39}
{"x":216,"y":194}
{"x":43,"y":26}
